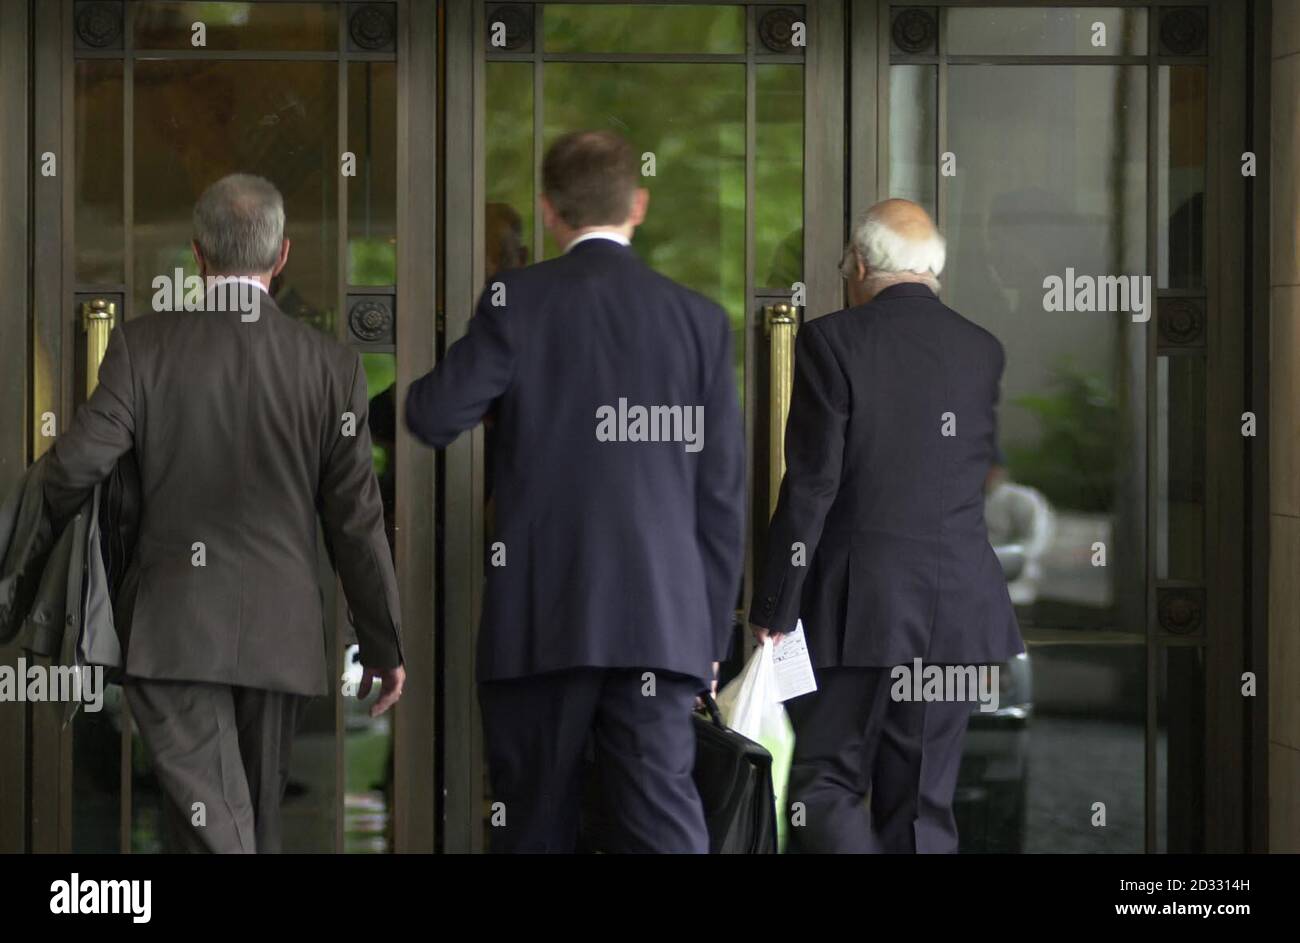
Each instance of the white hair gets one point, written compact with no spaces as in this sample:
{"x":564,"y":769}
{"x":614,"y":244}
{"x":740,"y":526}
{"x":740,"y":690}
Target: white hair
{"x":892,"y":257}
{"x":239,"y":225}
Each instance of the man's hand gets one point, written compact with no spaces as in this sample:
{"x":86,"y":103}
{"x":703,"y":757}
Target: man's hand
{"x":391,"y":681}
{"x":761,"y":633}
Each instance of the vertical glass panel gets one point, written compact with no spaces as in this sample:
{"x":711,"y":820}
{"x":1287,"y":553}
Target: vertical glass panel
{"x":197,"y":121}
{"x":778,"y":175}
{"x":368,"y":741}
{"x":643,"y":28}
{"x":97,"y":776}
{"x":1181,"y":176}
{"x":372,"y":193}
{"x":295,"y":27}
{"x":308,"y":816}
{"x":913,"y":133}
{"x":99,"y":208}
{"x":1047,"y":31}
{"x":1180,"y":750}
{"x":1180,"y":464}
{"x":1051,"y":188}
{"x":691,"y":116}
{"x":152,"y":829}
{"x":509,"y":164}
{"x":1029,"y":782}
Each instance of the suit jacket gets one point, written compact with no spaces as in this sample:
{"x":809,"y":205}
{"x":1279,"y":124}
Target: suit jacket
{"x":889,"y":510}
{"x":241,"y":436}
{"x":56,"y":595}
{"x":616,"y":553}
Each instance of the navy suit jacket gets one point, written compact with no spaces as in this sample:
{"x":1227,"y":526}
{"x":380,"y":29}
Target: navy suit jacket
{"x":890,"y":511}
{"x":616,"y":553}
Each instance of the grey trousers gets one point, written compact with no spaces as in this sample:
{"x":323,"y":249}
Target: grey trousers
{"x":221,"y":754}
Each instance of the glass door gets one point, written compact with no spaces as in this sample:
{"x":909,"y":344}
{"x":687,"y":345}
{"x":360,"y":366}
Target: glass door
{"x":715,"y":97}
{"x":1064,"y":152}
{"x":161,"y":99}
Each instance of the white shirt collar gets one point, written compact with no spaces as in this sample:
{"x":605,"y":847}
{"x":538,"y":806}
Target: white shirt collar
{"x":239,"y":279}
{"x":612,"y":235}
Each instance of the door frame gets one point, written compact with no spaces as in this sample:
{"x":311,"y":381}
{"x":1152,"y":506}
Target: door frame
{"x":463,"y":275}
{"x":1235,"y":584}
{"x":38,"y":56}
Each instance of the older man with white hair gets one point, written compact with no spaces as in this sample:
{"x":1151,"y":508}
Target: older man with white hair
{"x":879,"y":546}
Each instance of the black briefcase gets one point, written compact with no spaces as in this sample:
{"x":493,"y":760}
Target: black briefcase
{"x":734,"y":777}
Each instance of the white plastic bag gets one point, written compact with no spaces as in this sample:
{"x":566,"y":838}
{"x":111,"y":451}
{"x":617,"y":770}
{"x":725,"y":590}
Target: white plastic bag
{"x":750,"y":707}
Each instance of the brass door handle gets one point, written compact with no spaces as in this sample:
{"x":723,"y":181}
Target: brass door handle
{"x":97,"y":319}
{"x":780,"y":321}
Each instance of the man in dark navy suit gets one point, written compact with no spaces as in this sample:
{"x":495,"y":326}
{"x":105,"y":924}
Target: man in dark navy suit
{"x":618,"y":477}
{"x":879,"y":545}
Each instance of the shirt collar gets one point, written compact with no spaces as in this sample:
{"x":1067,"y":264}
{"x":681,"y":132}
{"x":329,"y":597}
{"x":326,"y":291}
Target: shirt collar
{"x":904,"y":290}
{"x":609,"y":234}
{"x":240,"y":279}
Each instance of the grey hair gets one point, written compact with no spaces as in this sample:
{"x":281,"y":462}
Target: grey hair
{"x":239,"y":225}
{"x":890,"y":257}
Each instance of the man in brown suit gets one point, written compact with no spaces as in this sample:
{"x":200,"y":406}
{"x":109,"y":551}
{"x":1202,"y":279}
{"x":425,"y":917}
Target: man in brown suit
{"x":247,"y":427}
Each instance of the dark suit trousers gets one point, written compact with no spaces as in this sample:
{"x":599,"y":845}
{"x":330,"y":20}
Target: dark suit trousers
{"x":851,"y":740}
{"x":536,"y":730}
{"x":225,"y":747}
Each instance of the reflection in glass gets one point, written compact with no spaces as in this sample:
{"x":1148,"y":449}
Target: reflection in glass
{"x":509,"y":165}
{"x":368,"y":741}
{"x":97,"y":775}
{"x":1055,"y":179}
{"x":151,"y":827}
{"x":778,"y":175}
{"x":1180,"y":750}
{"x":1047,"y":31}
{"x":1087,"y":745}
{"x":1180,"y":467}
{"x":1030,"y":783}
{"x":695,"y":230}
{"x":308,"y":816}
{"x":296,"y":27}
{"x":913,"y":133}
{"x":643,"y":28}
{"x":99,"y":214}
{"x":1180,"y":176}
{"x":372,"y":193}
{"x":1052,"y":182}
{"x":195,"y":122}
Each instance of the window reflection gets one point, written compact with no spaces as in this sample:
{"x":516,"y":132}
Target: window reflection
{"x":643,"y":28}
{"x":695,"y":231}
{"x":1181,"y":176}
{"x":368,"y":741}
{"x":778,"y":175}
{"x":195,"y":122}
{"x":913,"y":133}
{"x":372,"y":192}
{"x":169,"y":24}
{"x":1053,"y":182}
{"x":1047,"y":31}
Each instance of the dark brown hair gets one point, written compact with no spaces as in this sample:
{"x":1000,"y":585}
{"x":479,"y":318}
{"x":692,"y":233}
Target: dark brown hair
{"x":590,"y":177}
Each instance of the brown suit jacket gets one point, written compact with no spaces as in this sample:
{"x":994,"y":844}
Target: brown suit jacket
{"x":241,"y":433}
